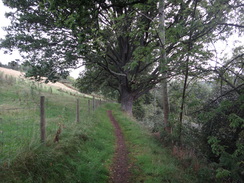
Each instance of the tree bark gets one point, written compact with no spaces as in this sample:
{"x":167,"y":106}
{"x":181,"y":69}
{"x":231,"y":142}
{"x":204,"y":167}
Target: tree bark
{"x":126,"y":99}
{"x":183,"y":101}
{"x":166,"y":105}
{"x":163,"y":63}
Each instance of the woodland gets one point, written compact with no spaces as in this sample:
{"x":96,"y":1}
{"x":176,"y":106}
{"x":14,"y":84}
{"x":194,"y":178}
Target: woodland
{"x":157,"y":58}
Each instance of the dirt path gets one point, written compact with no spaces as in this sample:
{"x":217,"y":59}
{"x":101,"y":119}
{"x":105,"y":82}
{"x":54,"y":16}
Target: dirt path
{"x":120,"y":167}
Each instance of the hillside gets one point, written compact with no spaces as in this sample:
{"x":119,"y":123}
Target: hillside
{"x":76,"y":152}
{"x":57,"y":85}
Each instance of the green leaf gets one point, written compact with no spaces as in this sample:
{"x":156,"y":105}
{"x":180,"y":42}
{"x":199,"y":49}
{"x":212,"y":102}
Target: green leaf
{"x":236,"y":121}
{"x":222,"y":173}
{"x":215,"y":145}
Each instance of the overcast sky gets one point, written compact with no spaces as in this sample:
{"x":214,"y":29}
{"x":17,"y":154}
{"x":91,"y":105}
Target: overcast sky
{"x":221,"y":47}
{"x":4,"y":58}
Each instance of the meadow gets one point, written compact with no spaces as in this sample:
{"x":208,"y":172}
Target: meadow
{"x":20,"y":113}
{"x":21,"y":148}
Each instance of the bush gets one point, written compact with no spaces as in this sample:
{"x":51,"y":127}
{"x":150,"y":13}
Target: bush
{"x":223,"y":138}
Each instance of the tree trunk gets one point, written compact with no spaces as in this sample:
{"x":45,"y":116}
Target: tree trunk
{"x":126,"y":99}
{"x":166,"y":105}
{"x":163,"y":63}
{"x":183,"y":101}
{"x":189,"y":47}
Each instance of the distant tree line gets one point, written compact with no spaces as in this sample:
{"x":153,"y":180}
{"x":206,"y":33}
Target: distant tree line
{"x":13,"y":65}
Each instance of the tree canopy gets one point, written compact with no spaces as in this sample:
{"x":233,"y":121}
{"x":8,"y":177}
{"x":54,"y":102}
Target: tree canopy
{"x":118,"y":40}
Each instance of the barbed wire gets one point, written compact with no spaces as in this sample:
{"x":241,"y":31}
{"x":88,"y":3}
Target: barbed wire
{"x":18,"y":108}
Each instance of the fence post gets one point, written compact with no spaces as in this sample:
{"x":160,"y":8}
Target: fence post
{"x":93,"y":103}
{"x":42,"y":120}
{"x":78,"y":111}
{"x":89,"y":106}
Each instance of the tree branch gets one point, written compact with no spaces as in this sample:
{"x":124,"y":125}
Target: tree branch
{"x":233,"y":25}
{"x":207,"y":106}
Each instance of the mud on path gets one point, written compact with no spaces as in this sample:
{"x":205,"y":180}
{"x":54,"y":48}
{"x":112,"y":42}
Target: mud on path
{"x":119,"y":172}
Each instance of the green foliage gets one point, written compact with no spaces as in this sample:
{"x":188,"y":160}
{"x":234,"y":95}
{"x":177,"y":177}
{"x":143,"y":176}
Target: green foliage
{"x":197,"y":93}
{"x":222,"y":173}
{"x":230,"y":165}
{"x":117,"y":41}
{"x":148,"y":111}
{"x":236,"y":121}
{"x":226,"y":141}
{"x":139,"y":109}
{"x":96,"y":81}
{"x":217,"y":132}
{"x":216,"y":147}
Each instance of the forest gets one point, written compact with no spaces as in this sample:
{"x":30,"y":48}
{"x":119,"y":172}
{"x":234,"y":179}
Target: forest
{"x":162,"y":60}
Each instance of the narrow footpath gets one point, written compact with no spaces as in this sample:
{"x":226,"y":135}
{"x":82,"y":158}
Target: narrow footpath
{"x":119,"y":172}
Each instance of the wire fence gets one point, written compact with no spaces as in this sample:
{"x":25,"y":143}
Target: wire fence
{"x":20,"y":113}
{"x":22,"y":125}
{"x":18,"y":126}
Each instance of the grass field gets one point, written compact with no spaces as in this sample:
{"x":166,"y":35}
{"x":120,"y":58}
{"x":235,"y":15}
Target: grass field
{"x":20,"y":113}
{"x":81,"y":155}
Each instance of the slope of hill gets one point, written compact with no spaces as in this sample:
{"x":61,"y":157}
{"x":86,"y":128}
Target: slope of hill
{"x":57,"y":85}
{"x":84,"y":151}
{"x":71,"y":149}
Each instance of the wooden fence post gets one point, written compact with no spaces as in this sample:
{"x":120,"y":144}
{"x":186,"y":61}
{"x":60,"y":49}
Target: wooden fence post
{"x":42,"y":120}
{"x":78,"y":111}
{"x":89,"y":106}
{"x":93,"y":103}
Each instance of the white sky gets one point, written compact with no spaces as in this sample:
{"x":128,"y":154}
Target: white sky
{"x":4,"y":58}
{"x":222,"y":47}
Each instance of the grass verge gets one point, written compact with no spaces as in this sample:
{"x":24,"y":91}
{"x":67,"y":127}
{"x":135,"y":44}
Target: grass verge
{"x":150,"y":162}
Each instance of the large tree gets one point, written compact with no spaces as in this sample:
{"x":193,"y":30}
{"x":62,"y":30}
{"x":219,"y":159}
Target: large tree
{"x":116,"y":40}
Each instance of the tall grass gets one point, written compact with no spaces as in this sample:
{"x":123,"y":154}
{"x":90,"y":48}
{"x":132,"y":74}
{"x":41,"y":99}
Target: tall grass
{"x":83,"y":153}
{"x":19,"y":113}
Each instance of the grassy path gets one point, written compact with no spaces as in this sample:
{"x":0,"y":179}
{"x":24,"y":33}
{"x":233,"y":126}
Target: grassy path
{"x":149,"y":161}
{"x":87,"y":150}
{"x":120,"y":167}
